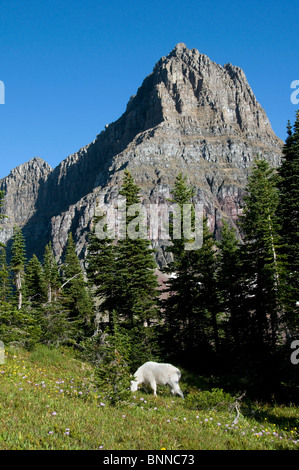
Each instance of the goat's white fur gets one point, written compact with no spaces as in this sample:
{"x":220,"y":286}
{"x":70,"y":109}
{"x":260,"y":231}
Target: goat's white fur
{"x":154,"y":373}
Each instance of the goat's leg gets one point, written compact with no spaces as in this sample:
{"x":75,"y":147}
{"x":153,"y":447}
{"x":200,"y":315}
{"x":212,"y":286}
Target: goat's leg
{"x":154,"y":387}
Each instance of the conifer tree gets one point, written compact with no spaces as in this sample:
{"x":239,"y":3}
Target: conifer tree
{"x":181,"y":286}
{"x":35,"y":281}
{"x":51,"y":274}
{"x":4,"y":272}
{"x":207,"y":295}
{"x":101,"y":269}
{"x":5,"y":285}
{"x":263,"y":263}
{"x":190,"y":309}
{"x":123,"y":272}
{"x":18,"y":260}
{"x":76,"y":295}
{"x":137,"y":285}
{"x":288,"y":212}
{"x":112,"y":374}
{"x":230,"y":287}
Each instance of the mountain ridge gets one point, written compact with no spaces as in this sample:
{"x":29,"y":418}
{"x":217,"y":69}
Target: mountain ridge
{"x":189,"y":115}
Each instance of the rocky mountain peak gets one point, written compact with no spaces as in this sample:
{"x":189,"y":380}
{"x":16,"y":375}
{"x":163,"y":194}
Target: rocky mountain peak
{"x":189,"y":115}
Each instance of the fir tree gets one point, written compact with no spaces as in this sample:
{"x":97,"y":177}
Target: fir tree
{"x":5,"y":284}
{"x":123,"y":272}
{"x":137,"y":285}
{"x":76,"y":295}
{"x":5,"y":287}
{"x":190,"y":308}
{"x":230,"y":287}
{"x":101,"y":269}
{"x":207,"y":295}
{"x":56,"y":325}
{"x":35,"y":281}
{"x":51,"y":274}
{"x":262,"y":263}
{"x":18,"y":260}
{"x":112,"y":373}
{"x":288,"y":211}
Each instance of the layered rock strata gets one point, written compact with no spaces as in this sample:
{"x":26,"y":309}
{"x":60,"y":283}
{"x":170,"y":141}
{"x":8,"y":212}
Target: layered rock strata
{"x":190,"y":115}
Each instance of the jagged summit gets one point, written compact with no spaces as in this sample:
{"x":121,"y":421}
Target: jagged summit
{"x":189,"y":115}
{"x":34,"y":164}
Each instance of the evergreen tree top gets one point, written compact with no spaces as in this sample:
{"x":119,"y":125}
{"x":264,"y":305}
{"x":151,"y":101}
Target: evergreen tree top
{"x":129,"y":189}
{"x":18,"y":250}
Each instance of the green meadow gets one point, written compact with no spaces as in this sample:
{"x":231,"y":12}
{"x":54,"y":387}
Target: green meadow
{"x":49,"y":401}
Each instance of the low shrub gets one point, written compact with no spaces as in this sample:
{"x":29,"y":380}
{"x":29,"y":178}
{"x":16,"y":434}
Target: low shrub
{"x":215,"y":399}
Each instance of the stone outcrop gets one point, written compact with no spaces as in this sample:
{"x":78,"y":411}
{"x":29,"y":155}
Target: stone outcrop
{"x":190,"y":115}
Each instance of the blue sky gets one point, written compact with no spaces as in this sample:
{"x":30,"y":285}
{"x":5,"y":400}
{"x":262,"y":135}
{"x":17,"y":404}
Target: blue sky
{"x":70,"y":67}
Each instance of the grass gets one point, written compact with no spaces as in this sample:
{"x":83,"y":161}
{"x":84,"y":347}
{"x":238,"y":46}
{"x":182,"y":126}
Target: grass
{"x":48,"y":401}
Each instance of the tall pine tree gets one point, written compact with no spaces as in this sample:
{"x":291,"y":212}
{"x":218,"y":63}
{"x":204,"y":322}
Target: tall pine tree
{"x":263,"y":264}
{"x":75,"y":291}
{"x":101,"y":270}
{"x":123,"y":272}
{"x":5,"y":284}
{"x":231,"y":288}
{"x":137,"y":290}
{"x":288,"y":211}
{"x":4,"y":271}
{"x":18,"y":261}
{"x":35,"y":281}
{"x":51,"y":274}
{"x":190,"y":307}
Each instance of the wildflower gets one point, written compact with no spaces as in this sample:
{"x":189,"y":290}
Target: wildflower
{"x":50,"y":432}
{"x":54,"y":413}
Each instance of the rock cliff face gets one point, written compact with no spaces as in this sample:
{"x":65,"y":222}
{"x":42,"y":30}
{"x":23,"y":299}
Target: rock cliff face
{"x":190,"y":115}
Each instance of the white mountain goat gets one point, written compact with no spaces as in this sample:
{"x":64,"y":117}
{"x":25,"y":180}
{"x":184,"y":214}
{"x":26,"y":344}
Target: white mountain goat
{"x":154,"y":373}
